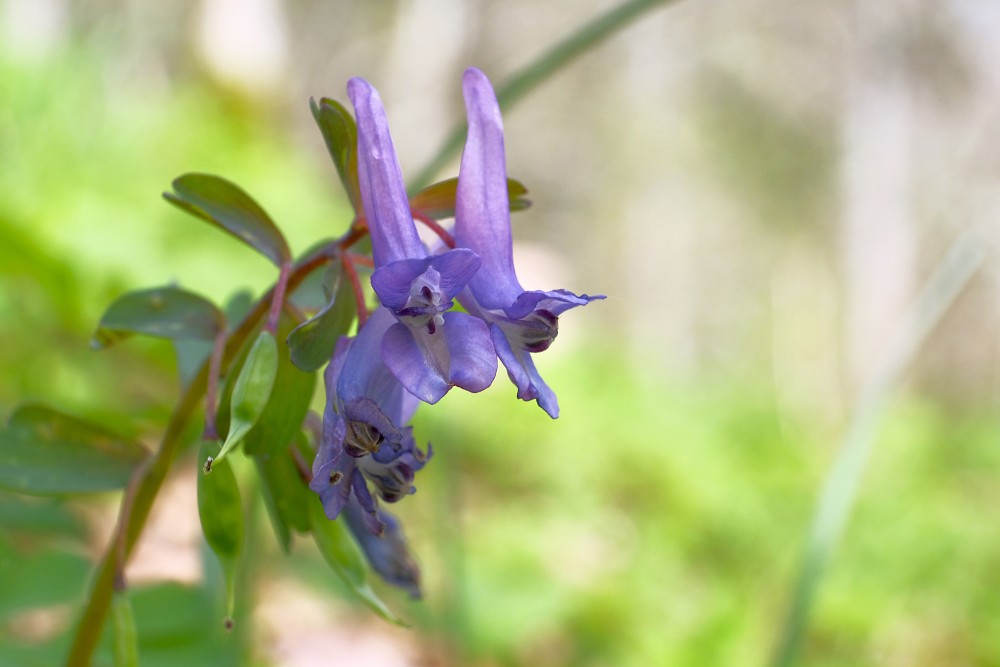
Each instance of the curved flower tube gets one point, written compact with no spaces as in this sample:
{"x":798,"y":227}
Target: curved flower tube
{"x":521,"y":322}
{"x":429,"y":350}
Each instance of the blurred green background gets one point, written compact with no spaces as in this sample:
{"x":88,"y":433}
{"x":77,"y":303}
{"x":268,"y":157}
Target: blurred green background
{"x":759,"y":187}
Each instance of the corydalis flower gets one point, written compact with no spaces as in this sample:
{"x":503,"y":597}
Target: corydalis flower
{"x":364,"y":434}
{"x":521,"y":322}
{"x":388,"y":553}
{"x":429,"y":349}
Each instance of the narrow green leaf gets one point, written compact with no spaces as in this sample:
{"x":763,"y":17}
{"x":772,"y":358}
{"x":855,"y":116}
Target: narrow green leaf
{"x":250,"y":392}
{"x":438,"y":200}
{"x":228,"y":207}
{"x":344,"y":557}
{"x":44,"y":451}
{"x":287,"y":406}
{"x":125,"y":638}
{"x":341,"y":136}
{"x":311,"y":343}
{"x":161,"y":312}
{"x":286,"y":494}
{"x":221,"y":512}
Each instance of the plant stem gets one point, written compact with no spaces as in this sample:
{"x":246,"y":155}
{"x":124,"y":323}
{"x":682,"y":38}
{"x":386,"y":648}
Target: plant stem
{"x":130,"y":523}
{"x":547,"y":64}
{"x":841,"y":486}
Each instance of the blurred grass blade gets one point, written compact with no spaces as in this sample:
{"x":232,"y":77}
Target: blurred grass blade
{"x":438,"y":200}
{"x":341,"y":136}
{"x":228,"y":207}
{"x":45,"y":451}
{"x":311,"y":344}
{"x":344,"y":557}
{"x":125,"y":639}
{"x":161,"y":312}
{"x":547,"y":64}
{"x":841,"y":486}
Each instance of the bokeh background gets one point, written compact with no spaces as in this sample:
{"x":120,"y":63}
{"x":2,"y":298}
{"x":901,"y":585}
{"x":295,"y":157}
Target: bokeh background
{"x":760,"y":188}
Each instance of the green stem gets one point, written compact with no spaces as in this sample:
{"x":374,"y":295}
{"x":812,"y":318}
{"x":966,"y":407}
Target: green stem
{"x":841,"y":486}
{"x":547,"y":64}
{"x":131,"y":523}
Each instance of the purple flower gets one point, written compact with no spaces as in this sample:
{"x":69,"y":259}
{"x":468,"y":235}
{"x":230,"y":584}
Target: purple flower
{"x":429,"y":350}
{"x":364,"y":438}
{"x":388,"y":553}
{"x":521,"y":322}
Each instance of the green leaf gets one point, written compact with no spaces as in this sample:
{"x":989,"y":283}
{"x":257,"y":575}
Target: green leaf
{"x":161,"y":312}
{"x":125,"y":639}
{"x":250,"y":392}
{"x":225,"y":205}
{"x":287,"y":406}
{"x":341,"y":136}
{"x":221,"y":512}
{"x":438,"y":200}
{"x":286,"y":494}
{"x":191,"y":354}
{"x":343,"y":556}
{"x":44,"y":451}
{"x":311,"y":344}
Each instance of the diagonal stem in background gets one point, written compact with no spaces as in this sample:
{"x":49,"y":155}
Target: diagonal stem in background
{"x":547,"y":64}
{"x":840,"y":488}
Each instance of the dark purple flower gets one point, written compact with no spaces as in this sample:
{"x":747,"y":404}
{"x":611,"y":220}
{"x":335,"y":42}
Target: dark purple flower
{"x":521,"y":322}
{"x":364,"y":434}
{"x":428,"y":349}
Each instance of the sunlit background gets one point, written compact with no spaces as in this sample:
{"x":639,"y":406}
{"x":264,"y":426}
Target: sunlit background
{"x":760,"y":188}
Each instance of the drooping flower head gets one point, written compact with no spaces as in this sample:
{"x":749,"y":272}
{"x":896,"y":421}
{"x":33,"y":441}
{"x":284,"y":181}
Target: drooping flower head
{"x":429,"y":349}
{"x":521,"y":322}
{"x":365,"y":437}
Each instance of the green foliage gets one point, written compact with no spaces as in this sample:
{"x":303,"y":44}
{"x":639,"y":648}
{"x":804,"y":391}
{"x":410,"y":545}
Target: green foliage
{"x":251,"y":392}
{"x":311,"y":344}
{"x":438,"y":200}
{"x":124,"y":636}
{"x":162,"y":312}
{"x":225,"y":205}
{"x":341,"y":136}
{"x":220,"y":510}
{"x":343,"y":556}
{"x":45,"y":451}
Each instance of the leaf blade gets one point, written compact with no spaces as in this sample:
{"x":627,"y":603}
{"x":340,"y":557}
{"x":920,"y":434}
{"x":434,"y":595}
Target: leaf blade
{"x":161,"y":312}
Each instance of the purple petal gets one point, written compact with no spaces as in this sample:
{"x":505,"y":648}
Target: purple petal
{"x":473,"y":360}
{"x":380,"y":179}
{"x":419,"y":368}
{"x":482,"y":209}
{"x":360,"y":373}
{"x":556,"y":302}
{"x":393,"y":282}
{"x":389,"y":554}
{"x":332,"y":471}
{"x":522,"y":372}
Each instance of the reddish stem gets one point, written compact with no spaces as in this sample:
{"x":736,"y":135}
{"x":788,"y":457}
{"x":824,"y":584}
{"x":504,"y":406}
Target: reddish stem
{"x":278,"y":298}
{"x":212,"y":385}
{"x":435,"y":227}
{"x":359,"y":295}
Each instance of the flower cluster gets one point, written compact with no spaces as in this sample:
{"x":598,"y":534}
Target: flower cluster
{"x":415,"y":346}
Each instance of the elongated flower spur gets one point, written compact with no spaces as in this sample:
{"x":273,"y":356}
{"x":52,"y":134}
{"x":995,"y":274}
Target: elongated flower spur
{"x":430,"y":349}
{"x":521,"y":322}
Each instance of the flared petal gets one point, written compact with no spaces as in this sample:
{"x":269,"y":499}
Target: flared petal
{"x":380,"y":180}
{"x":421,"y":369}
{"x":394,"y":282}
{"x":482,"y":209}
{"x":522,"y":372}
{"x":555,"y":301}
{"x":332,"y":469}
{"x":473,"y":361}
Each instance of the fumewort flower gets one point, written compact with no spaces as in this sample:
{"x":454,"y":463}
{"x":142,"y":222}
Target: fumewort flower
{"x":521,"y":322}
{"x":365,"y":438}
{"x":428,"y":349}
{"x":388,"y":553}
